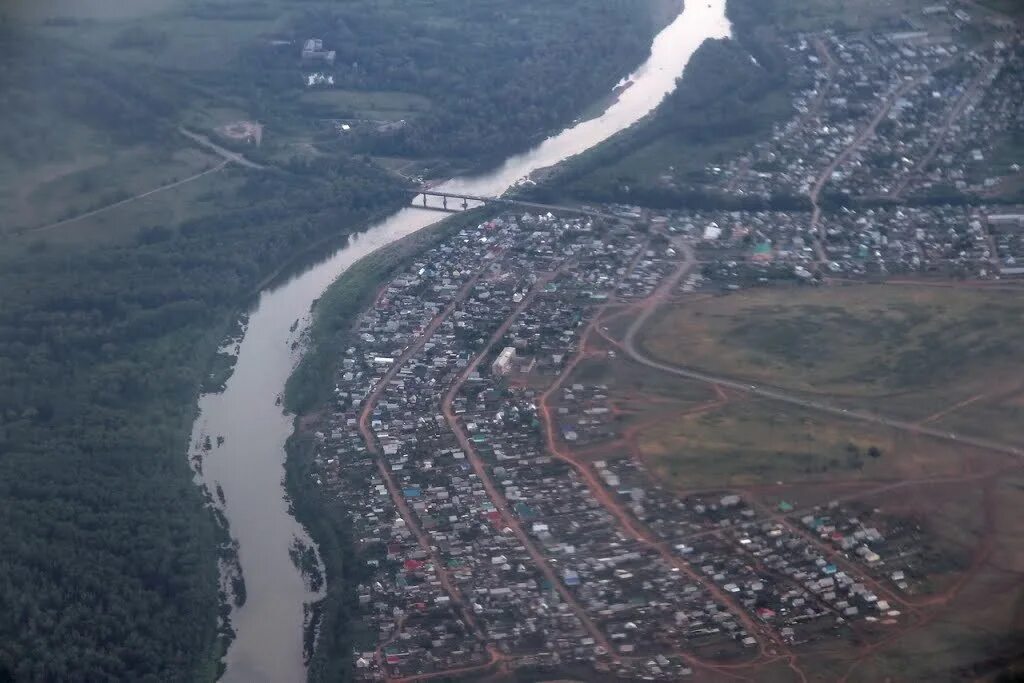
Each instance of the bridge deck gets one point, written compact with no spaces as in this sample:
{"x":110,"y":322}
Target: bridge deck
{"x":503,"y":200}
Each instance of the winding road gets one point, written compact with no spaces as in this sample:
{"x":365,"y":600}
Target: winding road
{"x":630,"y":347}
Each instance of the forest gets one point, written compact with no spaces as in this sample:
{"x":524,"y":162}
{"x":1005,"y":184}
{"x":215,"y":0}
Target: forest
{"x":498,"y":76}
{"x":108,"y":568}
{"x":722,"y":100}
{"x":109,"y":563}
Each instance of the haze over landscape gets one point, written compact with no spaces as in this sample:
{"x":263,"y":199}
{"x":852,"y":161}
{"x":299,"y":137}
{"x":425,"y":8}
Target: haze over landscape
{"x":445,"y":340}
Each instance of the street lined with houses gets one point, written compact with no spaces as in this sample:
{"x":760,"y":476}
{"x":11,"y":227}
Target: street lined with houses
{"x":489,"y":544}
{"x":504,"y":513}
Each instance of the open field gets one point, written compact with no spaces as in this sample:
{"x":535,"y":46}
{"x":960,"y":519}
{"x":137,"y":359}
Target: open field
{"x":60,"y":190}
{"x":755,"y":442}
{"x":212,"y":194}
{"x":626,"y":381}
{"x":971,"y":623}
{"x":965,"y":616}
{"x":843,"y":14}
{"x":157,"y":33}
{"x":1010,"y":7}
{"x":375,"y":105}
{"x":915,"y":350}
{"x":40,"y":10}
{"x":668,"y":157}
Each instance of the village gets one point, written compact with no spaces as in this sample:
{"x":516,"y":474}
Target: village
{"x":919,"y":113}
{"x":484,"y":542}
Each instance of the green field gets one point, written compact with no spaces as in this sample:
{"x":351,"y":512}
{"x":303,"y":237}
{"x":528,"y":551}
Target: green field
{"x":1011,"y":7}
{"x":210,"y":195}
{"x":913,"y":349}
{"x":674,"y":157}
{"x":58,"y":191}
{"x":91,"y":121}
{"x":750,"y":442}
{"x":787,"y":16}
{"x":375,"y":105}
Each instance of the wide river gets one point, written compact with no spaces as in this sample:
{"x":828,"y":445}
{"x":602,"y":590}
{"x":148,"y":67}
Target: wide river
{"x":249,"y":465}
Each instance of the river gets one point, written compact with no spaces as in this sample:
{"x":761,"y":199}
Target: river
{"x":249,"y":464}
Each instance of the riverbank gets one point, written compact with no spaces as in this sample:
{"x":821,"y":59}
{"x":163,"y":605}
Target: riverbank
{"x":721,"y":107}
{"x":362,"y":265}
{"x":329,"y":635}
{"x":309,"y":385}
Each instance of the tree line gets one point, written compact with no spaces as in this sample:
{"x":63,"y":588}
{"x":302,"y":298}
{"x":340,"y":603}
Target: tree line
{"x":109,"y":563}
{"x":498,"y":76}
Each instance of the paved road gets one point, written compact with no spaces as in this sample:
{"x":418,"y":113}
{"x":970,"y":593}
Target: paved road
{"x":781,"y":395}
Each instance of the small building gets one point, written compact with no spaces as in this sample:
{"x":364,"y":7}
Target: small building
{"x":503,"y":363}
{"x":313,"y":51}
{"x":1007,"y":219}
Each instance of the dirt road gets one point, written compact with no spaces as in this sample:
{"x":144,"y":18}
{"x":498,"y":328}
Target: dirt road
{"x":373,"y":446}
{"x":497,"y":498}
{"x":142,"y":195}
{"x":226,"y":153}
{"x":863,"y":136}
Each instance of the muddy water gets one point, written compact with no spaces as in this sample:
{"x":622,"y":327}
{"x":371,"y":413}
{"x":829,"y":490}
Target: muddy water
{"x":249,"y":464}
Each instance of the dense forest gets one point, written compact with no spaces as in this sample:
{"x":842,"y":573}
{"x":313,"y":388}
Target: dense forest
{"x":108,"y":569}
{"x":109,"y":563}
{"x":497,"y":75}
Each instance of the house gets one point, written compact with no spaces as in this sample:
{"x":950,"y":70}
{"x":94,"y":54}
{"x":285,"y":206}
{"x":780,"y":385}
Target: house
{"x":313,"y":51}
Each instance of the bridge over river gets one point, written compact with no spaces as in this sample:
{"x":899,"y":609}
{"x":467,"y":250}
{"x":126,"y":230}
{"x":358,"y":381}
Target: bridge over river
{"x":249,"y":464}
{"x":427,"y":199}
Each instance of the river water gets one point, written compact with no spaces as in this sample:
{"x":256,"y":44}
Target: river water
{"x":249,"y":464}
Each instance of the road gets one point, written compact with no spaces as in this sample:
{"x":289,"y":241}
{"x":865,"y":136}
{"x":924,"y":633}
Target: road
{"x":511,"y":202}
{"x":394,"y":490}
{"x":141,"y":195}
{"x":629,"y":346}
{"x":227,"y":154}
{"x":628,"y":522}
{"x":968,"y":97}
{"x":865,"y":134}
{"x":496,"y":496}
{"x":813,"y":109}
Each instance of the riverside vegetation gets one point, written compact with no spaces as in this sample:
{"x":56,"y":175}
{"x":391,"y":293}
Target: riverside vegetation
{"x":109,"y":327}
